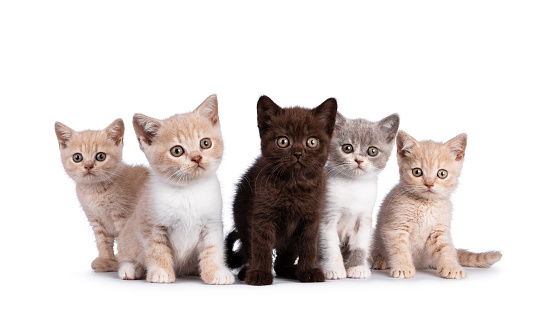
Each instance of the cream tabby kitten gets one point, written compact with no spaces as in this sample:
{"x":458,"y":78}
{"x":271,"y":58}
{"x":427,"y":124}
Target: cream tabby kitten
{"x":360,"y":150}
{"x":177,"y":227}
{"x":413,"y":229}
{"x":106,"y":187}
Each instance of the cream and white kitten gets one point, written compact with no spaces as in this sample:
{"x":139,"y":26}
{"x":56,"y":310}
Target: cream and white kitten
{"x":177,"y":227}
{"x":359,"y":152}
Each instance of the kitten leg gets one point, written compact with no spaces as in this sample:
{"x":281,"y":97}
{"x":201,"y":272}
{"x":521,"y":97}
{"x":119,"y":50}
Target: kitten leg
{"x":211,"y":256}
{"x":444,"y":255}
{"x":130,"y":271}
{"x":263,"y":239}
{"x":106,"y":260}
{"x":332,"y":259}
{"x":400,"y":259}
{"x":285,"y":263}
{"x":359,"y":242}
{"x":159,"y":259}
{"x":308,"y":269}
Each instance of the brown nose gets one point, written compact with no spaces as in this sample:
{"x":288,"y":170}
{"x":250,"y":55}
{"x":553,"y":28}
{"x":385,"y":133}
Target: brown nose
{"x":298,"y":154}
{"x":197,"y":159}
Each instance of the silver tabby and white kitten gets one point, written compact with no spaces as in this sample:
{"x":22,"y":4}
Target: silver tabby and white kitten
{"x":360,"y":150}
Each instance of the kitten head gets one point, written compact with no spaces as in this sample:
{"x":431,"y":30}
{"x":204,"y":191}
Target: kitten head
{"x":361,"y":148}
{"x":429,"y":169}
{"x":183,"y":147}
{"x":295,"y":139}
{"x":91,"y":156}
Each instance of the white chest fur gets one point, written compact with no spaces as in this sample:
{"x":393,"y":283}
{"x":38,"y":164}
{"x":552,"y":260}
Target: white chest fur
{"x":352,"y":196}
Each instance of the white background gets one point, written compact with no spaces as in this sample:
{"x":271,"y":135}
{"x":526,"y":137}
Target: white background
{"x":481,"y":67}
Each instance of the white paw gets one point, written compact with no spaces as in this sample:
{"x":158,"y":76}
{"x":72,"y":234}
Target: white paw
{"x":336,"y":273}
{"x":358,"y":272}
{"x":127,"y":271}
{"x":159,"y":275}
{"x":222,"y":277}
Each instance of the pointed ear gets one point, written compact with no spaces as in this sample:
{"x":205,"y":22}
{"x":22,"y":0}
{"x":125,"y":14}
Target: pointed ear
{"x":266,"y":109}
{"x":457,"y":146}
{"x":389,"y":125}
{"x":340,"y":120}
{"x":64,"y":133}
{"x":326,"y":113}
{"x":146,"y":129}
{"x":209,"y":109}
{"x":405,"y":144}
{"x":115,"y":131}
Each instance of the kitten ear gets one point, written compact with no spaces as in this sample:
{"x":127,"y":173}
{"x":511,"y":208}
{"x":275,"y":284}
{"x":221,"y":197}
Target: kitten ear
{"x":209,"y":109}
{"x":340,"y":120}
{"x":266,"y":109}
{"x":64,"y":133}
{"x":389,"y":125}
{"x":457,"y":146}
{"x":405,"y":143}
{"x":146,"y":129}
{"x":115,"y":131}
{"x":326,"y":113}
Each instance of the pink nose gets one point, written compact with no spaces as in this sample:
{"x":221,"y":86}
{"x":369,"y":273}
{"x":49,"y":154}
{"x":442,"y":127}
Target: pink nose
{"x":429,"y":185}
{"x":197,"y":159}
{"x":358,"y":161}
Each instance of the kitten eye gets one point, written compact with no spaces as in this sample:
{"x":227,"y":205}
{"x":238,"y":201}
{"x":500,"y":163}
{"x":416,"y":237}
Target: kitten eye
{"x":77,"y":157}
{"x":417,"y":172}
{"x":442,"y":174}
{"x":101,"y":156}
{"x":205,"y":143}
{"x":347,"y":148}
{"x":177,"y":151}
{"x":312,"y":142}
{"x":372,"y":151}
{"x":282,"y":142}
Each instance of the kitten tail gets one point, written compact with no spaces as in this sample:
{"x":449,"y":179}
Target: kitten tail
{"x":234,"y":259}
{"x":477,"y":260}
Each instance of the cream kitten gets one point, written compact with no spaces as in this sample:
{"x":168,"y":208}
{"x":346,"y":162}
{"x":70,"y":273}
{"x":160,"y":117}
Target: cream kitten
{"x":413,"y":229}
{"x":106,"y":187}
{"x":359,"y":152}
{"x":177,"y":227}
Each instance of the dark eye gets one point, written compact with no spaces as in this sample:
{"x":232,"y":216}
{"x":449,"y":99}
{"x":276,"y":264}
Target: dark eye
{"x":205,"y":143}
{"x":101,"y":156}
{"x":417,"y":172}
{"x":177,"y":151}
{"x":442,"y":174}
{"x":312,"y":142}
{"x":77,"y":157}
{"x":282,"y":142}
{"x":347,"y":148}
{"x":372,"y":151}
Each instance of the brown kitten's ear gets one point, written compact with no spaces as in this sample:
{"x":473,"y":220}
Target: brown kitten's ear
{"x":405,"y":144}
{"x":266,"y":109}
{"x":146,"y":129}
{"x":115,"y":131}
{"x":326,"y":113}
{"x":389,"y":125}
{"x":209,"y":109}
{"x":457,"y":146}
{"x":63,"y":132}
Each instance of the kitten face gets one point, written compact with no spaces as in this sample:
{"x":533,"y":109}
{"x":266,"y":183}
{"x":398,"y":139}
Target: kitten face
{"x":360,"y":147}
{"x":183,"y":147}
{"x":295,"y":139}
{"x":91,"y":156}
{"x":429,"y":169}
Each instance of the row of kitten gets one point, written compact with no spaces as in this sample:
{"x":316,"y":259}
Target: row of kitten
{"x":309,"y":197}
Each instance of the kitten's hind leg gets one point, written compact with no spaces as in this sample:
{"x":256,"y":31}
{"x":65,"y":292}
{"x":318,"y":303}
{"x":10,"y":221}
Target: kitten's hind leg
{"x":359,"y":242}
{"x":130,"y":271}
{"x":106,"y":260}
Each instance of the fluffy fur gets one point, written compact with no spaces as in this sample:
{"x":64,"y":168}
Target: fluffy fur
{"x":106,"y":187}
{"x":279,"y":200}
{"x":413,"y":229}
{"x":353,"y":168}
{"x":177,"y":227}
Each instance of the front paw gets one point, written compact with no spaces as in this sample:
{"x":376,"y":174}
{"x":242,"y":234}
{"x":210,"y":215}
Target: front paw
{"x":335,"y":273}
{"x":130,"y":271}
{"x":313,"y":275}
{"x":451,"y":272}
{"x":358,"y":272}
{"x":379,"y":263}
{"x":104,"y":265}
{"x":159,"y":275}
{"x":403,"y":272}
{"x":220,"y":277}
{"x":258,"y":277}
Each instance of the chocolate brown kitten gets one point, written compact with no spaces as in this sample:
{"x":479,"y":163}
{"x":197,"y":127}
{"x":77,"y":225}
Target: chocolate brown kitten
{"x":106,"y":187}
{"x":279,"y":201}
